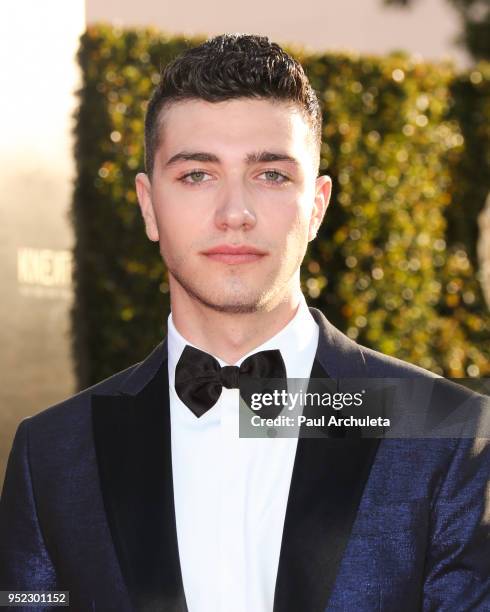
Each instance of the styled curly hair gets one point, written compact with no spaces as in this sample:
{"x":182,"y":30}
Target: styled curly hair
{"x":226,"y":67}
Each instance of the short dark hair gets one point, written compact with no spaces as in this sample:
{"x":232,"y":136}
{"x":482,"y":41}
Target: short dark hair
{"x":226,"y":67}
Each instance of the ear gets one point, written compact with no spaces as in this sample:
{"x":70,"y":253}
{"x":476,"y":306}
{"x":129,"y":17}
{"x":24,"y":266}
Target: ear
{"x":143,"y":190}
{"x":323,"y":190}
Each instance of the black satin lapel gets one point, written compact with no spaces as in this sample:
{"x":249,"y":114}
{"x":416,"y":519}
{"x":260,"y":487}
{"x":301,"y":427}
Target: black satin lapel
{"x":132,"y":441}
{"x":328,"y":479}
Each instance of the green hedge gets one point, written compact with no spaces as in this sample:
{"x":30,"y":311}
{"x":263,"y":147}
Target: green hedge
{"x":394,"y":263}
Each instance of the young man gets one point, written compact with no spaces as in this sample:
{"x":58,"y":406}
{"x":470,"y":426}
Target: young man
{"x":139,"y":494}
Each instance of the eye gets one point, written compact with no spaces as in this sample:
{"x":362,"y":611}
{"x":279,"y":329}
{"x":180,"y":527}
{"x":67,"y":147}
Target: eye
{"x":273,"y":176}
{"x":196,"y":176}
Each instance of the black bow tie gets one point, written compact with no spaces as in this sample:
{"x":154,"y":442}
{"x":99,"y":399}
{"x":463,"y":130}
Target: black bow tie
{"x":199,"y":378}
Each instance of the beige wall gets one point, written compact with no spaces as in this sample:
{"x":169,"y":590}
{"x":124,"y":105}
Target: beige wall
{"x":360,"y":25}
{"x":38,"y":41}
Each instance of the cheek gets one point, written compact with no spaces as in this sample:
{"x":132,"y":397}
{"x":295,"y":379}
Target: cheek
{"x":296,"y":225}
{"x":174,"y":218}
{"x":184,"y":211}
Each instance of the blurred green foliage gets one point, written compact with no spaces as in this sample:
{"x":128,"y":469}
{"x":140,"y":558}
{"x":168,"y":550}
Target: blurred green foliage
{"x":394,"y":264}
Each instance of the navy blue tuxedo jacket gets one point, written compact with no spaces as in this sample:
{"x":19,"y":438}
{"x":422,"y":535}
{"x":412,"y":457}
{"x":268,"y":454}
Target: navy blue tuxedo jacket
{"x":393,"y":525}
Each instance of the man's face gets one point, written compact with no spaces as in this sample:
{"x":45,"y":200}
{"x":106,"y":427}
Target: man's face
{"x":233,"y":201}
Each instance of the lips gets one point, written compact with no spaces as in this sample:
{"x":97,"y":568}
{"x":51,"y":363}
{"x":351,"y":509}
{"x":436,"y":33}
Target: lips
{"x":230,"y":254}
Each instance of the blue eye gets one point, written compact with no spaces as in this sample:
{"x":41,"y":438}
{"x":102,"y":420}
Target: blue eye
{"x":275,"y":177}
{"x":197,"y":176}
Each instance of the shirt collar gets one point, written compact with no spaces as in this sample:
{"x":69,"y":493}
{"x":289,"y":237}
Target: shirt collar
{"x":297,"y":342}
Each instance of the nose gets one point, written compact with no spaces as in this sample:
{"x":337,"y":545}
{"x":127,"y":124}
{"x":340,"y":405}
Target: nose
{"x":235,"y":210}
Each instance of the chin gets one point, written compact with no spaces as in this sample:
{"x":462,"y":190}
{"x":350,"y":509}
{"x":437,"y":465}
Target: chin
{"x":232,"y":302}
{"x":237,"y":308}
{"x":233,"y":298}
{"x":221,"y":301}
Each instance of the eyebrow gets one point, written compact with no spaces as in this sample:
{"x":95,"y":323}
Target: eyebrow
{"x":251,"y":158}
{"x":192,"y":156}
{"x":269,"y":156}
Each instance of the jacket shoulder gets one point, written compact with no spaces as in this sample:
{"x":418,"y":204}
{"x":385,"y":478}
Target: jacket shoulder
{"x":130,"y":380}
{"x":78,"y":406}
{"x":385,"y":366}
{"x":344,"y":357}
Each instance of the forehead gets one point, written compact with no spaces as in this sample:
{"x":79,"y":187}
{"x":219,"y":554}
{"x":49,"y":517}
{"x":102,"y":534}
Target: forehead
{"x":236,"y":126}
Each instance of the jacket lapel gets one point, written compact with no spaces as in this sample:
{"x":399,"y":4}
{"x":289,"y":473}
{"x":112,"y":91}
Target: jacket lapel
{"x":132,"y":441}
{"x":328,"y":480}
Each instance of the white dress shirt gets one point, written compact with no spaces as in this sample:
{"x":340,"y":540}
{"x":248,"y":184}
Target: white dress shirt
{"x":231,"y":492}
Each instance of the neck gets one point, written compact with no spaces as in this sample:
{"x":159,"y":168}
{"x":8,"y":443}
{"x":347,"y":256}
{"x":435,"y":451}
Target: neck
{"x":230,"y":336}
